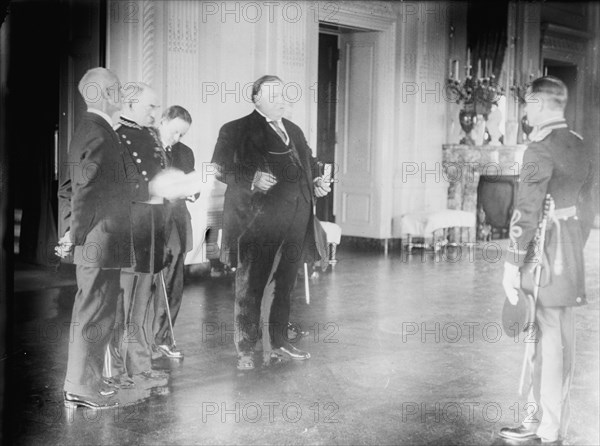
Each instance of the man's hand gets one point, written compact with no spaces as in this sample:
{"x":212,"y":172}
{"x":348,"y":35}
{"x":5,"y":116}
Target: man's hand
{"x":65,"y":246}
{"x":322,"y":188}
{"x":263,"y":181}
{"x":511,"y":282}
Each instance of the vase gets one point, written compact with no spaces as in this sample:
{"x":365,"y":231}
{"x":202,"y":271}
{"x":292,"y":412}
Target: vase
{"x":478,"y":132}
{"x":527,"y":129}
{"x":467,"y":121}
{"x":493,"y":125}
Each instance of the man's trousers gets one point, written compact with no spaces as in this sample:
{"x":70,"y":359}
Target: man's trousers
{"x":130,"y":347}
{"x":267,"y":268}
{"x":553,"y":368}
{"x":92,"y":324}
{"x":173,"y":275}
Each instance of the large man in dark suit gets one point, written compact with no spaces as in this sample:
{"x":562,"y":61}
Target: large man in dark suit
{"x":272,"y":180}
{"x":560,"y":166}
{"x":94,"y":202}
{"x":175,"y":123}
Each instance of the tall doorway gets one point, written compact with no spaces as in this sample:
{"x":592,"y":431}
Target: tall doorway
{"x":52,"y":44}
{"x":327,"y":99}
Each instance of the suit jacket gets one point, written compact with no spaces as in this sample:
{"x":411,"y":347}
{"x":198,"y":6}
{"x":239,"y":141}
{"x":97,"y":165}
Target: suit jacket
{"x":245,"y":146}
{"x":556,"y":163}
{"x":182,"y":158}
{"x":144,"y":159}
{"x":95,"y":198}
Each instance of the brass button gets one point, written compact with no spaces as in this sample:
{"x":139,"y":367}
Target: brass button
{"x":578,"y":300}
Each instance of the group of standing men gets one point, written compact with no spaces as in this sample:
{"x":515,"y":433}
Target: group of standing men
{"x":129,"y":229}
{"x":127,"y":240}
{"x":124,"y":233}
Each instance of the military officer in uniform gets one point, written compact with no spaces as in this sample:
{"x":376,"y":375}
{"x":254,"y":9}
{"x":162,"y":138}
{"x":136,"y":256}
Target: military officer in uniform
{"x":130,"y":358}
{"x":555,"y":163}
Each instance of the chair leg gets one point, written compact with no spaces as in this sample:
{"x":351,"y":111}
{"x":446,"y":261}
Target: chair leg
{"x":332,"y":252}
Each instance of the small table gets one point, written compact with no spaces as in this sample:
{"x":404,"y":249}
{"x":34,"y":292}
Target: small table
{"x":427,"y":223}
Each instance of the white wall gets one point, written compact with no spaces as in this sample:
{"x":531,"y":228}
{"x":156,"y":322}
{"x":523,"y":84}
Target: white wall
{"x":203,"y":56}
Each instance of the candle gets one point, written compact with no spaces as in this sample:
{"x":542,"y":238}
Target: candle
{"x":478,"y":68}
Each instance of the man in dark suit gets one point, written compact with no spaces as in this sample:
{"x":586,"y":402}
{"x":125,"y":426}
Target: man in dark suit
{"x":94,"y":202}
{"x":268,"y":224}
{"x":174,"y":124}
{"x":563,"y":170}
{"x":130,"y":359}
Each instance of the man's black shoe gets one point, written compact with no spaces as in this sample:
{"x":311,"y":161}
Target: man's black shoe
{"x":169,"y":351}
{"x":119,"y":381}
{"x":521,"y":433}
{"x":292,"y":352}
{"x":295,"y":332}
{"x":73,"y":401}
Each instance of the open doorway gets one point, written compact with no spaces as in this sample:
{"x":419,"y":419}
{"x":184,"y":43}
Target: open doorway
{"x":327,"y":99}
{"x":52,"y":44}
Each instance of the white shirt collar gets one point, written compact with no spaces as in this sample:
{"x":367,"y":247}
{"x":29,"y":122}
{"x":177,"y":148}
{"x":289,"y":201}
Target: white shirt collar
{"x":278,"y":121}
{"x":552,"y":122}
{"x":101,"y":113}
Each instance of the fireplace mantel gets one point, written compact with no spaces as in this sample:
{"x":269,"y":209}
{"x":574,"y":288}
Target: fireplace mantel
{"x":464,"y":164}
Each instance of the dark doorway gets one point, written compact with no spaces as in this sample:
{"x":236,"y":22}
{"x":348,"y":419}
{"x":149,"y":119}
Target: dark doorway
{"x":47,"y":58}
{"x":568,"y":74}
{"x":326,"y":111}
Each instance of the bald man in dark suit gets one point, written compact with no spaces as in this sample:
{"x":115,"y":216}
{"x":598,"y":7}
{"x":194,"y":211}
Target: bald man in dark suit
{"x":95,"y":204}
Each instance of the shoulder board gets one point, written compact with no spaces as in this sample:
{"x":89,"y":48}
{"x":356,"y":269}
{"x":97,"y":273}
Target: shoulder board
{"x":129,"y":124}
{"x":576,"y":134}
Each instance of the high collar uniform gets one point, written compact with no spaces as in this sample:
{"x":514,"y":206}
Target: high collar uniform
{"x":555,"y":163}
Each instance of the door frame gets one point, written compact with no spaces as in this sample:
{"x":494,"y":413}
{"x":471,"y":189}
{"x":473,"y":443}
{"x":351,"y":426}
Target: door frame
{"x":376,"y":17}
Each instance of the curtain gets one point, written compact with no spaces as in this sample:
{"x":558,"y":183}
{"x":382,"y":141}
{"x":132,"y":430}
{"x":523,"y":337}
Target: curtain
{"x":486,"y":34}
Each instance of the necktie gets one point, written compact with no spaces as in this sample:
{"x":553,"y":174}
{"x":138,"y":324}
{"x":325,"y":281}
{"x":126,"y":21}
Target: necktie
{"x":278,"y":130}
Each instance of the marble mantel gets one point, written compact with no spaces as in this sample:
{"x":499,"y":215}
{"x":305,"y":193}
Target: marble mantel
{"x":463,"y":165}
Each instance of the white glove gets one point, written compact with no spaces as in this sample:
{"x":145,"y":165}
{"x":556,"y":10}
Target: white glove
{"x":511,"y":282}
{"x":65,"y":246}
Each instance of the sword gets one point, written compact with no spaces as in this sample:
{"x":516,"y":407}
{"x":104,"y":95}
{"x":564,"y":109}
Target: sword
{"x":164,"y":287}
{"x":532,"y":296}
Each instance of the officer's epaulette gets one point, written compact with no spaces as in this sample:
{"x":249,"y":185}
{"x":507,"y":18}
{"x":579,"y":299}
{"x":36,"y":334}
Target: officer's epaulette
{"x":128,"y":123}
{"x":576,"y":134}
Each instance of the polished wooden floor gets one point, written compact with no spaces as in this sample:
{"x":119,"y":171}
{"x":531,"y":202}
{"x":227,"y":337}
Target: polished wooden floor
{"x":404,"y":351}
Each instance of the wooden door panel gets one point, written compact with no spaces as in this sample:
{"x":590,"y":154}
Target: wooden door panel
{"x":356,"y":189}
